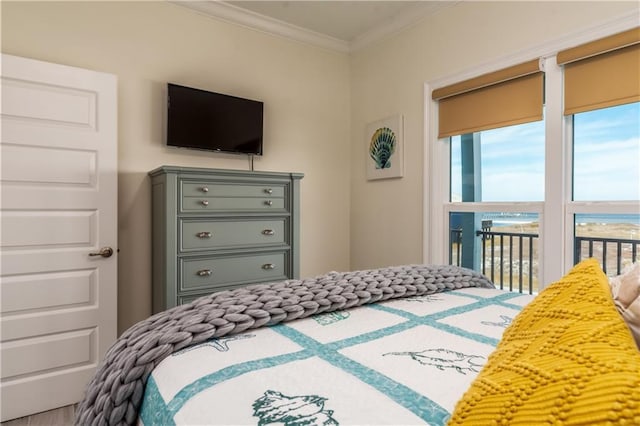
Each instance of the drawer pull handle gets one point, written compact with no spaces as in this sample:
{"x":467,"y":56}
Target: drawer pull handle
{"x":204,"y":203}
{"x":268,"y":191}
{"x":268,"y":232}
{"x":204,"y":189}
{"x":268,"y":203}
{"x":204,"y":272}
{"x":268,"y":266}
{"x":205,"y":234}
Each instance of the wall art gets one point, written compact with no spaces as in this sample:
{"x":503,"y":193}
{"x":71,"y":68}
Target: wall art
{"x":385,"y":157}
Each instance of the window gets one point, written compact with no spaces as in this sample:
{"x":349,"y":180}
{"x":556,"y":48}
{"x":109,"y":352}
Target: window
{"x":511,"y":163}
{"x":496,"y":128}
{"x":606,"y":154}
{"x":504,"y":246}
{"x":601,"y":97}
{"x":530,"y":198}
{"x":498,"y":165}
{"x":606,"y":170}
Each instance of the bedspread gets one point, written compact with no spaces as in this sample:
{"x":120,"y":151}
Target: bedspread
{"x":399,"y":362}
{"x":115,"y":393}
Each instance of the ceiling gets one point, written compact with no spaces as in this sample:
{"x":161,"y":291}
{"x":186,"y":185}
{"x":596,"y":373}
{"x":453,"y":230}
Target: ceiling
{"x":338,"y":25}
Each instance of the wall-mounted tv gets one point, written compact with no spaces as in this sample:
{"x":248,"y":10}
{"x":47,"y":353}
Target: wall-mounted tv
{"x":211,"y":121}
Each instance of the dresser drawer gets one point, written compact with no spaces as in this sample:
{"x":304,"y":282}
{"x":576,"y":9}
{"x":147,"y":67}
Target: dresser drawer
{"x":222,"y":204}
{"x":204,"y":235}
{"x":227,"y":270}
{"x":216,"y":189}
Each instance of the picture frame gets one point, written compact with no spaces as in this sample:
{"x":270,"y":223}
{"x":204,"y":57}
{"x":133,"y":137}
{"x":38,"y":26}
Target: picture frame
{"x":385,"y":148}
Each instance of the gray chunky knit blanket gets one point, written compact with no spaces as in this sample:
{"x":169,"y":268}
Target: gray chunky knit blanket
{"x":114,"y":395}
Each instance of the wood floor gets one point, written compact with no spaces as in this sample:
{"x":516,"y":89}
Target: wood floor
{"x":62,"y":416}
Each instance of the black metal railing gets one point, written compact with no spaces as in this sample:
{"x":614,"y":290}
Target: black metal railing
{"x":598,"y":247}
{"x":505,"y":254}
{"x":522,"y":261}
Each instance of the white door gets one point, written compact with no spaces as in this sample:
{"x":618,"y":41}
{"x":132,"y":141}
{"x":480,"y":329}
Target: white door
{"x":58,"y":184}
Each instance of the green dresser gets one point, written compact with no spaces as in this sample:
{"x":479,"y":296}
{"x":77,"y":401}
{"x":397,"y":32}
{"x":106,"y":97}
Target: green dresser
{"x":219,"y":229}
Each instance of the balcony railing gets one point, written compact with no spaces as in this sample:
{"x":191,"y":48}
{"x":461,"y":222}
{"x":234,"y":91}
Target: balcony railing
{"x":601,"y":248}
{"x":514,"y":256}
{"x":509,"y":259}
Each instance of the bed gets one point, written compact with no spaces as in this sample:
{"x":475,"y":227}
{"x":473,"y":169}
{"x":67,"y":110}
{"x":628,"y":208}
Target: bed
{"x":415,"y":344}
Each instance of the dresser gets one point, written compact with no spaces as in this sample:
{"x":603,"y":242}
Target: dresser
{"x":217,"y":229}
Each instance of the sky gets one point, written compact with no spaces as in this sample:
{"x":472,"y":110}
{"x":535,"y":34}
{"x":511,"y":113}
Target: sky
{"x":606,"y":158}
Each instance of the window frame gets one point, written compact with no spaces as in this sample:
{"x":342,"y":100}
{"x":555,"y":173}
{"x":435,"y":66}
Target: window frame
{"x":556,"y":254}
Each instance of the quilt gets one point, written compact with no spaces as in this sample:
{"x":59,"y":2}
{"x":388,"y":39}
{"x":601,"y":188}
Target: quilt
{"x":114,"y":394}
{"x":402,"y":361}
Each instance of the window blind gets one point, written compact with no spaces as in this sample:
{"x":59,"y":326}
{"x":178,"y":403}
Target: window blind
{"x":602,"y":73}
{"x":506,"y":97}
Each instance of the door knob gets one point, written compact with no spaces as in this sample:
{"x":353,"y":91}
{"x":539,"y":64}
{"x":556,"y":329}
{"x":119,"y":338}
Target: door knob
{"x":104,"y":252}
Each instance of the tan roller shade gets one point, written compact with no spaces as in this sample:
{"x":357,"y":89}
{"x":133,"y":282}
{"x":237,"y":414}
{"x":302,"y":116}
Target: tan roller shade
{"x":602,"y":73}
{"x":489,"y":79}
{"x":509,"y":96}
{"x":508,"y":103}
{"x":600,"y":46}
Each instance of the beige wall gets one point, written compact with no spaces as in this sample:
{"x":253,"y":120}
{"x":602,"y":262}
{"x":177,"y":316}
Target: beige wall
{"x":388,"y":78}
{"x":317,"y":104}
{"x":146,"y":44}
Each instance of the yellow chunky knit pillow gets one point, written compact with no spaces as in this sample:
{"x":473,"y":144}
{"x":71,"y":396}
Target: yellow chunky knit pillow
{"x":567,"y":359}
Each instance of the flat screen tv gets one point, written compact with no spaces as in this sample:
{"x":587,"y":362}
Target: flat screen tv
{"x":211,"y":121}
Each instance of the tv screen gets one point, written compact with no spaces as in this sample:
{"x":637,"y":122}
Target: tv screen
{"x":212,"y":121}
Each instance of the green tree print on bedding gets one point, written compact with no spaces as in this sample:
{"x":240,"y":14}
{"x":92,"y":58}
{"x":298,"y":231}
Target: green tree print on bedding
{"x":306,"y":410}
{"x":445,"y":358}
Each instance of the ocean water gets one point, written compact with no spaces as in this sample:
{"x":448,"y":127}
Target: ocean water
{"x":608,"y":218}
{"x":506,"y":219}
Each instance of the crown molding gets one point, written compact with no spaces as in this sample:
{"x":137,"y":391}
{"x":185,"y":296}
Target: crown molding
{"x":236,"y":15}
{"x":249,"y":19}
